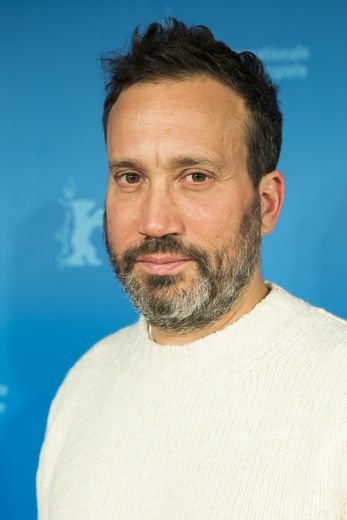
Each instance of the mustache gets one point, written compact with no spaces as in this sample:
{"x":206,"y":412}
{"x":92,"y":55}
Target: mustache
{"x":166,"y":244}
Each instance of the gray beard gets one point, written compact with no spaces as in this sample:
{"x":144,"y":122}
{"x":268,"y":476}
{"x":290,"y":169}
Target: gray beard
{"x":169,"y":304}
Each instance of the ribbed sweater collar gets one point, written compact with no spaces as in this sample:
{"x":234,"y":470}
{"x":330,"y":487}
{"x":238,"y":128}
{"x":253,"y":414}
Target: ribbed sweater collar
{"x":237,"y":345}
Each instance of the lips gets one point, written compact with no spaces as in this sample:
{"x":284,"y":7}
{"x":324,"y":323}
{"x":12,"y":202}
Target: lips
{"x":162,"y":264}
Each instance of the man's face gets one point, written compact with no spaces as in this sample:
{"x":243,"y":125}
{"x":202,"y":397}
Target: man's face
{"x":182,"y":218}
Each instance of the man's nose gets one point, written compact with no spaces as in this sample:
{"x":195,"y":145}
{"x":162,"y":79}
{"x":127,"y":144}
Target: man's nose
{"x":160,"y":215}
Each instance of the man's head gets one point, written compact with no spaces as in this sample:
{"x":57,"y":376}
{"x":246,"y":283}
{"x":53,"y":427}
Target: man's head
{"x":187,"y":199}
{"x":175,"y":51}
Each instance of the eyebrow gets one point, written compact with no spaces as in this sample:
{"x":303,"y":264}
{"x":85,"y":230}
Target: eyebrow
{"x":125,"y":163}
{"x":176,"y":162}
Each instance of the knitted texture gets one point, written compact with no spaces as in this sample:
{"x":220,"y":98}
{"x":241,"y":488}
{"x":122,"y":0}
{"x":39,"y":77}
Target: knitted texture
{"x":248,"y":423}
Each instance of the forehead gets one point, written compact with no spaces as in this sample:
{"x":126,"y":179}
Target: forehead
{"x":198,"y":110}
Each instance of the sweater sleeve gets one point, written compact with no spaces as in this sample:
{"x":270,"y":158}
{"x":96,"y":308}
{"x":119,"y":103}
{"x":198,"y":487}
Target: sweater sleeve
{"x":42,"y":476}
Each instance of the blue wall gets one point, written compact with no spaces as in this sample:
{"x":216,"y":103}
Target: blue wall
{"x":57,"y":293}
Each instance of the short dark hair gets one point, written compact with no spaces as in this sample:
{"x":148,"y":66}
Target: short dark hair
{"x":172,"y":50}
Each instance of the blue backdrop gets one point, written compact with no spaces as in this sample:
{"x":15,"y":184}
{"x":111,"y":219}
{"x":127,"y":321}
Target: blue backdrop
{"x":57,"y":293}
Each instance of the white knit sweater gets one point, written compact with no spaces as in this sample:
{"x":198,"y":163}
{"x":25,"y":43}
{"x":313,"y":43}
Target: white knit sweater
{"x":248,"y":423}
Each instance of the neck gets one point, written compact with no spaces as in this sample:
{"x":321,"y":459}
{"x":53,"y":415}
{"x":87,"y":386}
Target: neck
{"x":253,"y":293}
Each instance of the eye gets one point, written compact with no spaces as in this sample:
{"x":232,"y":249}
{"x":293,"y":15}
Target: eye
{"x":197,"y":177}
{"x":128,"y":178}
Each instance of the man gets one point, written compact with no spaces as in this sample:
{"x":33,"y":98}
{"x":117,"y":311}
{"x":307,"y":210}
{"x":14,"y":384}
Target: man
{"x":228,"y":398}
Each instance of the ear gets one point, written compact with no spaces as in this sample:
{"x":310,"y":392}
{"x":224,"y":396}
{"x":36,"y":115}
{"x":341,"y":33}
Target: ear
{"x":271,"y":192}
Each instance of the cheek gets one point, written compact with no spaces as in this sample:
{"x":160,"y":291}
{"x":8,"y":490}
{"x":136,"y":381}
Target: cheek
{"x":213,"y":220}
{"x":121,"y":224}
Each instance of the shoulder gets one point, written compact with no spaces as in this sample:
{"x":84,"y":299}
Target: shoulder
{"x":94,"y":370}
{"x":108,"y":353}
{"x":315,"y":332}
{"x":307,"y":317}
{"x":310,"y":347}
{"x":110,"y":350}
